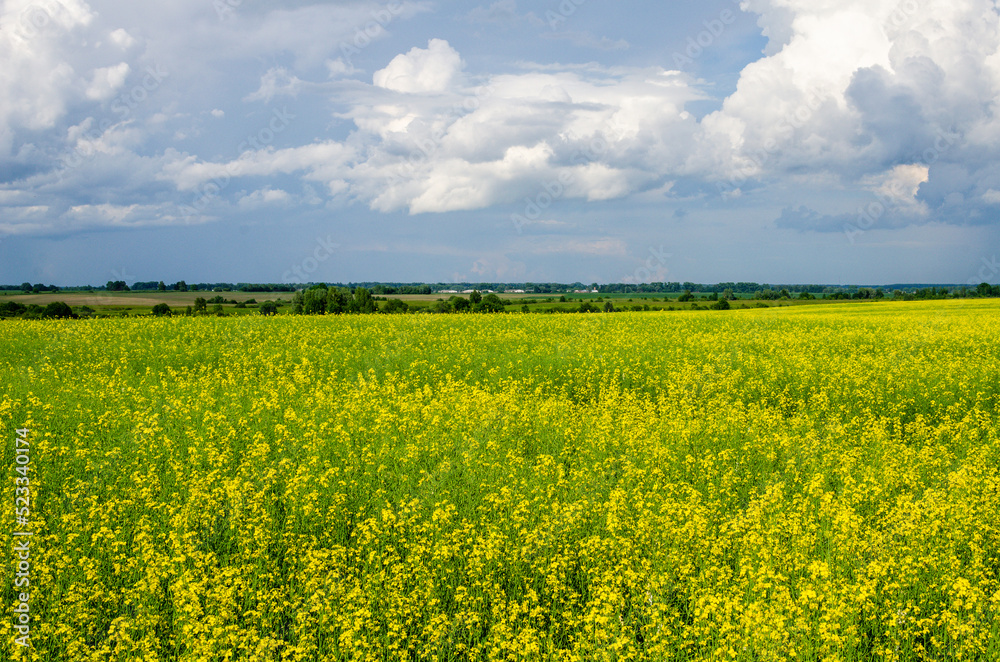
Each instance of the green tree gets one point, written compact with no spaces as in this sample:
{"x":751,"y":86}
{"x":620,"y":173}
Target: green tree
{"x":721,"y":304}
{"x":490,"y":303}
{"x":161,"y":310}
{"x":686,"y":296}
{"x":395,"y":307}
{"x":362,"y":302}
{"x":609,"y":307}
{"x":338,"y":301}
{"x":475,"y":298}
{"x":314,"y":300}
{"x":442,"y":307}
{"x":12,"y":309}
{"x":58,"y":310}
{"x":200,"y":305}
{"x":180,"y":286}
{"x":161,"y":287}
{"x":268,"y":308}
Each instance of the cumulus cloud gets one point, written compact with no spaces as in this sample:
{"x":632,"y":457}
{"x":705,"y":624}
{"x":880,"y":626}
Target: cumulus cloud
{"x":122,"y":39}
{"x":856,"y":89}
{"x":38,"y":77}
{"x":899,"y":188}
{"x":262,"y":197}
{"x":107,"y":81}
{"x":433,"y":69}
{"x":428,"y":144}
{"x":880,"y":98}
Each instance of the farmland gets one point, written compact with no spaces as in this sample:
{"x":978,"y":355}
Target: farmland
{"x":805,"y":483}
{"x":130,"y":304}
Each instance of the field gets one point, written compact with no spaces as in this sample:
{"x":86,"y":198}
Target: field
{"x":808,"y":483}
{"x":141,"y":303}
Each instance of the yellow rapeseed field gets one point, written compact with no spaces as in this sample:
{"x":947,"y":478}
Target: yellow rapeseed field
{"x":814,"y":483}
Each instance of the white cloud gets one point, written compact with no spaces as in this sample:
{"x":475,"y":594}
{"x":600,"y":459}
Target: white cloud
{"x":276,"y":81}
{"x":426,"y":144}
{"x":900,"y":187}
{"x":122,"y":39}
{"x":433,"y":69}
{"x":846,"y":92}
{"x":107,"y":81}
{"x":37,"y":79}
{"x":339,"y":68}
{"x":857,"y":87}
{"x":262,"y":197}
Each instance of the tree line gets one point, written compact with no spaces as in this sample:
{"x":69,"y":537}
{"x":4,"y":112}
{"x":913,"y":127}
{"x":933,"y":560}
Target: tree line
{"x":334,"y":300}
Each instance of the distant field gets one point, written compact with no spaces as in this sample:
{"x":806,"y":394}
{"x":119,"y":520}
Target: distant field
{"x":143,"y":302}
{"x":146,"y":299}
{"x":807,"y":483}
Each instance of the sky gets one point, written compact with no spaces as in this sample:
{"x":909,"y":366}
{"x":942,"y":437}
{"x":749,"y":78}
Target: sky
{"x":776,"y":141}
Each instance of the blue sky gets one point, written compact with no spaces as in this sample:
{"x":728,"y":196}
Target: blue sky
{"x":780,"y":141}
